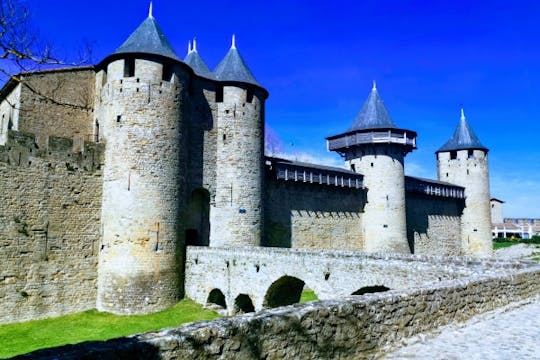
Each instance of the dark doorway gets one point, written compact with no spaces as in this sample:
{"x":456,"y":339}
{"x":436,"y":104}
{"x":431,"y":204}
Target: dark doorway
{"x":198,"y":218}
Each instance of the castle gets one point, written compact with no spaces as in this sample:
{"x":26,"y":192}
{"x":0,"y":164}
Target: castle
{"x":109,"y":171}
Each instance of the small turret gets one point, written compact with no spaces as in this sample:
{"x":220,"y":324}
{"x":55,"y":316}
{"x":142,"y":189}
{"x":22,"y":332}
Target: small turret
{"x":463,"y":161}
{"x":195,"y":61}
{"x":237,"y":215}
{"x":375,"y":148}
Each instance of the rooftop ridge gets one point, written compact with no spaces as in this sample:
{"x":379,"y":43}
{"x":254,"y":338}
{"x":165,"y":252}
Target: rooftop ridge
{"x":233,"y":67}
{"x":373,"y":114}
{"x":463,"y":137}
{"x":148,"y":38}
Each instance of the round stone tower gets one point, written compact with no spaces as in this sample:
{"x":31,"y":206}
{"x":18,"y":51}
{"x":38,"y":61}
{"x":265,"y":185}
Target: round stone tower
{"x":236,"y":216}
{"x":463,"y":161}
{"x":375,"y":148}
{"x":140,"y":95}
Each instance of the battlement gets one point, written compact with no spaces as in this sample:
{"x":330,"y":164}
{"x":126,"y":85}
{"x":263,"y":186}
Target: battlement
{"x":22,"y":148}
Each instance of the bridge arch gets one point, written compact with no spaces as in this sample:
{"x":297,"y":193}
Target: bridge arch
{"x":217,"y":297}
{"x":370,"y":289}
{"x":284,"y":291}
{"x":243,"y":304}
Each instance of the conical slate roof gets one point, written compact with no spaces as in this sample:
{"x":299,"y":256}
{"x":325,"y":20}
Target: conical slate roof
{"x":463,"y":138}
{"x":148,"y":38}
{"x":373,"y":114}
{"x":234,"y":68}
{"x":195,"y":61}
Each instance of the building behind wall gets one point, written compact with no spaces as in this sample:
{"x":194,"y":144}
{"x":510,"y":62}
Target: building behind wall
{"x":107,"y":180}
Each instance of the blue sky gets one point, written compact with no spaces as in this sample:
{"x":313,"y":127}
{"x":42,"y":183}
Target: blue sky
{"x":318,"y":59}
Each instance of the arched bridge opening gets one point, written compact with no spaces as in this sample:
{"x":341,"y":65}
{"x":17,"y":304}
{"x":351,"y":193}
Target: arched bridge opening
{"x":370,"y":289}
{"x":243,"y":304}
{"x":216,"y":297}
{"x":284,"y":291}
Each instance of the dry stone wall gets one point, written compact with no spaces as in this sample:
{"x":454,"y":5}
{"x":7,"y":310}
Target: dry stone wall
{"x":50,"y":202}
{"x":355,"y":327}
{"x":310,"y":216}
{"x":434,"y":224}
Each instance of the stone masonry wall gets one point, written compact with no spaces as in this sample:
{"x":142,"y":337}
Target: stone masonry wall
{"x":309,"y":216}
{"x":50,"y":201}
{"x":434,"y":225}
{"x":58,"y":103}
{"x":349,"y":328}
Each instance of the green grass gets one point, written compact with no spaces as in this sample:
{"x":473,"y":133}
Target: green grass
{"x":308,"y":295}
{"x":28,"y":336}
{"x":503,"y":244}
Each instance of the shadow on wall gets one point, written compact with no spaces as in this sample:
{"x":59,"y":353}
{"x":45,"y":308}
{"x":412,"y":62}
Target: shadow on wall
{"x":198,"y":218}
{"x":420,"y":207}
{"x":283,"y":199}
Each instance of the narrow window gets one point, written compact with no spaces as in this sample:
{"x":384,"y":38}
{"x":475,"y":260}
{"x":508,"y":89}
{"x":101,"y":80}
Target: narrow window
{"x":118,"y":118}
{"x":167,"y":72}
{"x":219,"y":94}
{"x":453,"y":155}
{"x":129,"y":67}
{"x":353,"y":167}
{"x":249,"y":96}
{"x":470,"y":154}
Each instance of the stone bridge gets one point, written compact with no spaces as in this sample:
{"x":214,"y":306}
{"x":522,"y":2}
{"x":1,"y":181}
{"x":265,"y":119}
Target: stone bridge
{"x":252,"y":278}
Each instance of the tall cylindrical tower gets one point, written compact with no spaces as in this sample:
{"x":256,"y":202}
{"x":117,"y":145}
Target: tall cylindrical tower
{"x":140,"y":108}
{"x":463,"y":161}
{"x":237,"y":212}
{"x":374,"y":147}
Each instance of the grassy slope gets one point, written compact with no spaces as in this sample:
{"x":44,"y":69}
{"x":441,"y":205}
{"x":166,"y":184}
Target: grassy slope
{"x":24,"y":337}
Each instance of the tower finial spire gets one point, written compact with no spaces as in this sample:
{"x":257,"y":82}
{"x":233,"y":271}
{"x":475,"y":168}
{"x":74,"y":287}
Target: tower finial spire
{"x":374,"y":85}
{"x":462,"y":113}
{"x":194,"y":44}
{"x":189,"y":47}
{"x":233,"y":43}
{"x":150,"y":10}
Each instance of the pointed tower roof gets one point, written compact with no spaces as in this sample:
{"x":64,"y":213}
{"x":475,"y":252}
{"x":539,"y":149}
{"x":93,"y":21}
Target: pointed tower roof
{"x":234,"y":68}
{"x":195,"y":61}
{"x":148,"y":38}
{"x":373,"y":114}
{"x":463,"y":138}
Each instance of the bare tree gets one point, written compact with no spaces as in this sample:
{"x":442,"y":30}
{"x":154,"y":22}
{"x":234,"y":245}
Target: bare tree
{"x":273,"y":145}
{"x":22,"y":51}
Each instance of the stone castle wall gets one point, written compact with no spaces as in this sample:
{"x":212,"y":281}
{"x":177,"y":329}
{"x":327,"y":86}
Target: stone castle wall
{"x":352,"y":327}
{"x":58,"y":103}
{"x":309,"y":216}
{"x":50,"y":202}
{"x":434,"y":224}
